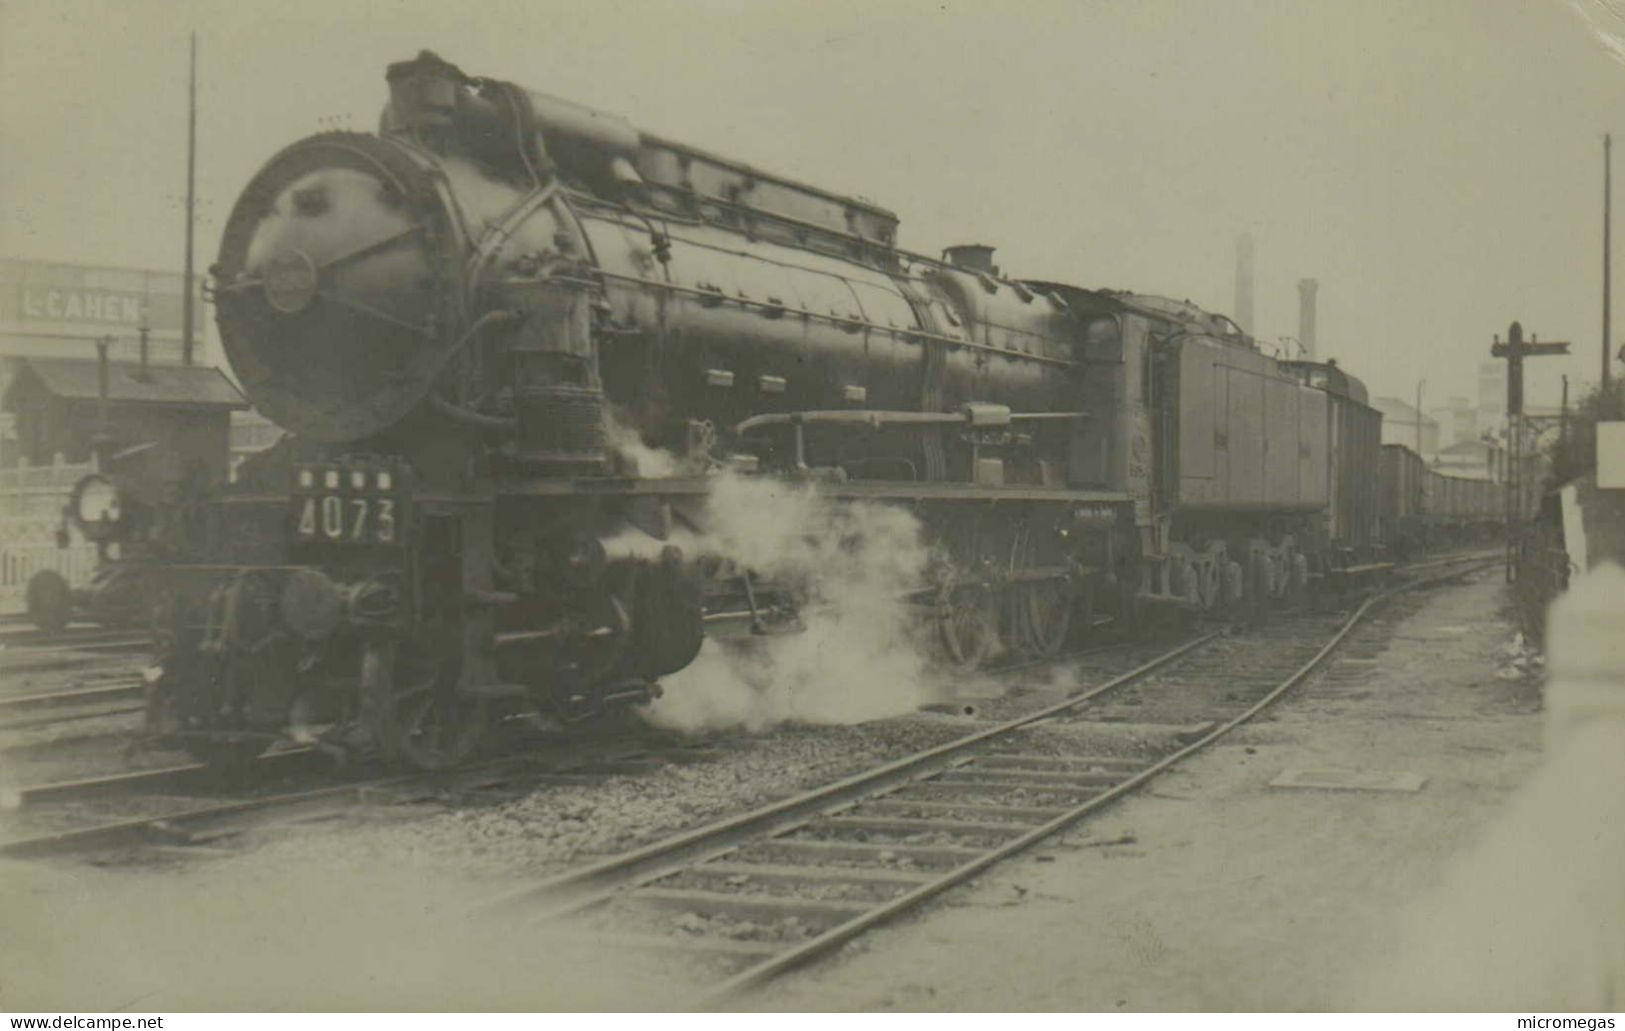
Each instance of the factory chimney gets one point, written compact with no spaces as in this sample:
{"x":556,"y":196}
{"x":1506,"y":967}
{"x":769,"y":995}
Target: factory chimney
{"x":1306,"y":316}
{"x":1244,"y":282}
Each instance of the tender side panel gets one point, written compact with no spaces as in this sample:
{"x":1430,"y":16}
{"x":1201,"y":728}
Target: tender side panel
{"x":1242,"y":429}
{"x":1314,"y":473}
{"x":1244,"y":437}
{"x":1282,"y":430}
{"x":1199,"y":402}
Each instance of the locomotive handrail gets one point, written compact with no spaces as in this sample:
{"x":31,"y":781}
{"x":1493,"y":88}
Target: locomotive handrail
{"x":970,"y":415}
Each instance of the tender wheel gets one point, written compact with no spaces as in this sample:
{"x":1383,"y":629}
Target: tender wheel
{"x":49,"y":601}
{"x":1259,"y":588}
{"x":1298,"y":576}
{"x":967,"y":626}
{"x":1212,"y":568}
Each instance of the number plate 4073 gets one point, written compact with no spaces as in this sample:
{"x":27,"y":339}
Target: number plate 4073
{"x":348,"y":519}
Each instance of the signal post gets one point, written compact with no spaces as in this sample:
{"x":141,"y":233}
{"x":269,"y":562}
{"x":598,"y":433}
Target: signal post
{"x":1515,"y":350}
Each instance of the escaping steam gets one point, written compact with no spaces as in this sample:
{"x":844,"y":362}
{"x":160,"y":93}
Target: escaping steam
{"x":638,"y":458}
{"x":859,"y":656}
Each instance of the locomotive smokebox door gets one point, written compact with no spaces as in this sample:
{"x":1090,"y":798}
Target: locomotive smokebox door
{"x":339,"y":286}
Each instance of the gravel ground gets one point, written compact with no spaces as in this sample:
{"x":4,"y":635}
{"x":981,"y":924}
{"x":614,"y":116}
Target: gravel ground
{"x":564,"y":825}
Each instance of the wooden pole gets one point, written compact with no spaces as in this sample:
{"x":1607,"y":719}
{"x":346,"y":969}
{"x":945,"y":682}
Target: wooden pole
{"x":1419,"y":417}
{"x":191,"y":200}
{"x":1607,"y":258}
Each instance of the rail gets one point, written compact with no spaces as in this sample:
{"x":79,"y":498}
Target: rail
{"x":940,"y":787}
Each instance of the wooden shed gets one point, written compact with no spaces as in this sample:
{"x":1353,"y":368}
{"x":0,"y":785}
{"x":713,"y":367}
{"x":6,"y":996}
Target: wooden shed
{"x":182,"y":411}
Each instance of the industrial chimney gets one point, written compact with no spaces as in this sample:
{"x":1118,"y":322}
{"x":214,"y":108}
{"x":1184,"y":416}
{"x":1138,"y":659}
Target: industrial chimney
{"x":1244,"y":282}
{"x":1306,"y":316}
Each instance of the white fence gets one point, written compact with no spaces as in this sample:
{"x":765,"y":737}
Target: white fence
{"x":31,"y":500}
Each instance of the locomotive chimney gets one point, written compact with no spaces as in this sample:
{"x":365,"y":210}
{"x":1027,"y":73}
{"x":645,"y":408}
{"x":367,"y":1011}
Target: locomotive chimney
{"x":1306,"y":315}
{"x":1244,"y":282}
{"x":973,"y":257}
{"x":423,"y":94}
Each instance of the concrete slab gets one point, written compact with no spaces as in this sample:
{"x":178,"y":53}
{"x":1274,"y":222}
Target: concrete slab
{"x":1350,"y":780}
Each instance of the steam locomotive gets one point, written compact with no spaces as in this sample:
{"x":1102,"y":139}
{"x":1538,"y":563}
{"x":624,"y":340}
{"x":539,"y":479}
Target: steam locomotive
{"x":473,"y":325}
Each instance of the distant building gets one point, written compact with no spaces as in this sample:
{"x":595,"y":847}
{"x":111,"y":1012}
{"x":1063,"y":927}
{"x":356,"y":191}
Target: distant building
{"x":1492,"y":395}
{"x":1399,"y":422}
{"x":1458,"y":422}
{"x":1473,"y":460}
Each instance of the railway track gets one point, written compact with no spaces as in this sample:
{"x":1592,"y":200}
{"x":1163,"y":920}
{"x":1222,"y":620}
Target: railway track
{"x":24,"y":712}
{"x":189,"y":808}
{"x":82,"y":673}
{"x":189,"y":804}
{"x":17,"y":637}
{"x":68,"y":658}
{"x":754,"y":895}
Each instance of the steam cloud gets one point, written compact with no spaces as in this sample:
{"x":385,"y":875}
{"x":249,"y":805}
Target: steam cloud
{"x":859,"y":657}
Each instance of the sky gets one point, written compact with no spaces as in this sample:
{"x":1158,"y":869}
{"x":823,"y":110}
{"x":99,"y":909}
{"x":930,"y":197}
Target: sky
{"x":1435,"y":164}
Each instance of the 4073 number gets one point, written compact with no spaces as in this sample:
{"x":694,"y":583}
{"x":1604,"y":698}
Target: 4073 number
{"x":347,"y":519}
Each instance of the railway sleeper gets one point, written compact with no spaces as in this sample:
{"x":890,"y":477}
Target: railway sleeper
{"x":809,"y":913}
{"x":861,"y":855}
{"x":904,"y":826}
{"x":619,"y":942}
{"x":771,"y":873}
{"x":1014,"y":761}
{"x":823,"y":884}
{"x":993,"y":794}
{"x":908,"y":807}
{"x":1027,"y":778}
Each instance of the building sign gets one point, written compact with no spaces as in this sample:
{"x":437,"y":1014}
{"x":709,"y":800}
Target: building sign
{"x":52,"y":308}
{"x":53,"y":304}
{"x":48,"y":294}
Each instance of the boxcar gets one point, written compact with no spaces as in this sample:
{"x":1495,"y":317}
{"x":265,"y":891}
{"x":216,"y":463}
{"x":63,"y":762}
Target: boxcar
{"x":1353,"y":446}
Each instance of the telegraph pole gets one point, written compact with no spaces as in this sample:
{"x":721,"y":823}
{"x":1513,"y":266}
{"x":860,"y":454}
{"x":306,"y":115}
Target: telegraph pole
{"x":1563,"y":419}
{"x":1515,"y":350}
{"x":191,"y":199}
{"x":1419,"y":384}
{"x":1607,"y":256}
